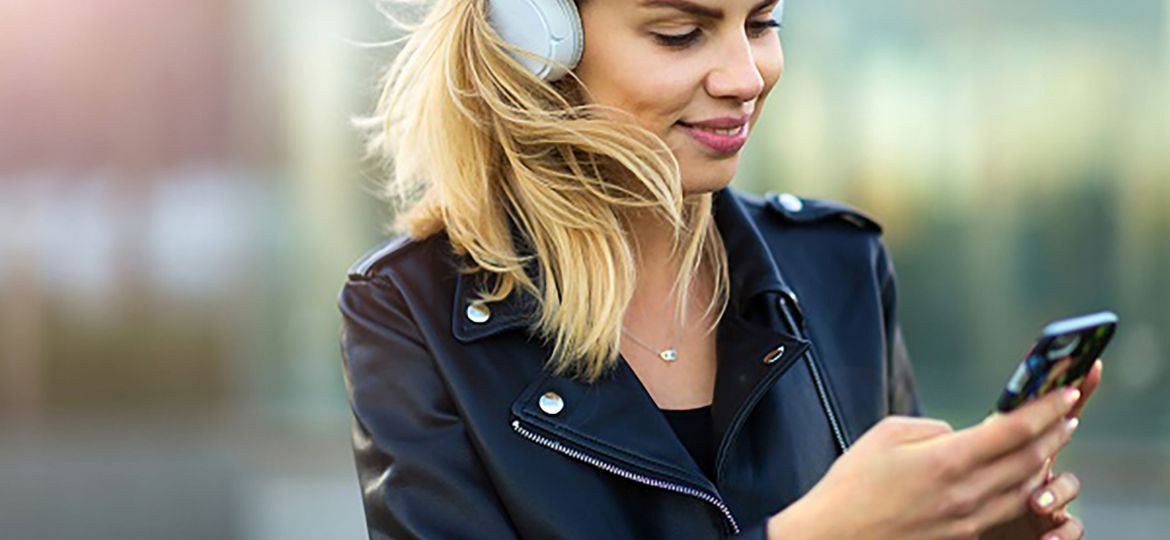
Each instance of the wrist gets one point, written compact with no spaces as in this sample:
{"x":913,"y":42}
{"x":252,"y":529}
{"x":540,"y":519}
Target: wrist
{"x":776,"y":527}
{"x":792,"y":523}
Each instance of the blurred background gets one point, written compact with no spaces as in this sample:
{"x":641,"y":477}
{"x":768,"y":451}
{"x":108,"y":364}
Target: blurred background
{"x":181,"y":194}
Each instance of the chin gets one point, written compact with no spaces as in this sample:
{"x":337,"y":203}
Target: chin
{"x":707,"y":184}
{"x":714,"y":177}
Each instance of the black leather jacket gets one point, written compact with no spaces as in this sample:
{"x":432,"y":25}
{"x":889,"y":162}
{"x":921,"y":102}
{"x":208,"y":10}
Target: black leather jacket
{"x":458,"y":432}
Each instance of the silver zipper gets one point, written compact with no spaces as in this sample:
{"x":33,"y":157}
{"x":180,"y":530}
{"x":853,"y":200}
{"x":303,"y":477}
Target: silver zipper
{"x":816,"y":374}
{"x":655,"y":482}
{"x":789,"y":299}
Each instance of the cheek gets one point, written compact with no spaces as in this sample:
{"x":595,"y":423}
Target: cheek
{"x":627,"y":74}
{"x":656,"y":96}
{"x":669,"y":93}
{"x":771,"y":65}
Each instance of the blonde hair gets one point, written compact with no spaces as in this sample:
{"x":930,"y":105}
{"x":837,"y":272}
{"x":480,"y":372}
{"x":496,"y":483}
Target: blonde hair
{"x":475,"y":140}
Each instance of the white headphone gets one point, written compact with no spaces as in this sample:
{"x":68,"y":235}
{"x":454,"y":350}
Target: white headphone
{"x":550,"y":29}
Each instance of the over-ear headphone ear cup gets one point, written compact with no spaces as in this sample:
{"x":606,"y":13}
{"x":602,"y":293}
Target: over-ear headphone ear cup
{"x":548,"y":28}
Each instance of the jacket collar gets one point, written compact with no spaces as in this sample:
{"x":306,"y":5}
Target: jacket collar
{"x":752,"y":270}
{"x":752,"y":267}
{"x":615,"y":417}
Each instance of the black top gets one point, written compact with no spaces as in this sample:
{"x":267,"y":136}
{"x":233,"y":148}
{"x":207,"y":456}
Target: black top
{"x":693,"y":428}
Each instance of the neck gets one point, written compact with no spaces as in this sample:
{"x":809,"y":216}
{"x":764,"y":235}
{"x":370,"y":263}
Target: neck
{"x":657,"y":270}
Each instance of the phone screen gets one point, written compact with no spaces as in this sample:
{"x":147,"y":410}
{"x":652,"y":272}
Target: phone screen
{"x":1061,"y":356}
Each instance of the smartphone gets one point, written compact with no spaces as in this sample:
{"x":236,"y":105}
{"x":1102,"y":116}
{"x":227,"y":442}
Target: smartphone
{"x":1062,"y":356}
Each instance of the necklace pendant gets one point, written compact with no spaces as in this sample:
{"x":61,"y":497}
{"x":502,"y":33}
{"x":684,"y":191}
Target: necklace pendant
{"x":668,"y":355}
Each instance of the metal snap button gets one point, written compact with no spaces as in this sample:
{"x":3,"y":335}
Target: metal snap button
{"x":478,"y":312}
{"x":551,"y":403}
{"x":790,"y":202}
{"x":774,"y":355}
{"x":791,"y":298}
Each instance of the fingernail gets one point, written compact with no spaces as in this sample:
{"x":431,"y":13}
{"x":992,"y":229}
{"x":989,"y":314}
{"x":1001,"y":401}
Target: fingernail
{"x":1071,"y":424}
{"x":1050,"y":537}
{"x":1072,"y":395}
{"x":1045,"y":499}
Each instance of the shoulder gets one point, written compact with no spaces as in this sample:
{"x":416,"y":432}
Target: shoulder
{"x":394,"y":276}
{"x":383,"y":288}
{"x":823,"y":231}
{"x":376,"y":257}
{"x":793,"y":210}
{"x":369,"y":286}
{"x":380,"y":258}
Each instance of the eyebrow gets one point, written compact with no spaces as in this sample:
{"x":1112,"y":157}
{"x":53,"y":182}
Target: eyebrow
{"x":695,"y":9}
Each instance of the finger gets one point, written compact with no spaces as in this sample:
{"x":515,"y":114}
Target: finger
{"x":1056,"y":494}
{"x":1088,"y":386}
{"x":1003,"y":433}
{"x":1039,"y":479}
{"x":1025,"y":465}
{"x":1072,"y":529}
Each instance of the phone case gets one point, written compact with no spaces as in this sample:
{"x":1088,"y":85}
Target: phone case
{"x":1061,"y":356}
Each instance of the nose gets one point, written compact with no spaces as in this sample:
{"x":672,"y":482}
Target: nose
{"x":736,"y":74}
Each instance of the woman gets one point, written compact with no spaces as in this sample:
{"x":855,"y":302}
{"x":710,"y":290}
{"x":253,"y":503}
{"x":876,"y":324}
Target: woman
{"x":551,"y":209}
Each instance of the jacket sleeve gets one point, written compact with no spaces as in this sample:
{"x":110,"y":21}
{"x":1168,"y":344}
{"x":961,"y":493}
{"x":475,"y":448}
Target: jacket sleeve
{"x":903,"y":393}
{"x":419,"y":475}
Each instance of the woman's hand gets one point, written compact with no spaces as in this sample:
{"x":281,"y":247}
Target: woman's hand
{"x":1048,"y":518}
{"x":915,"y":478}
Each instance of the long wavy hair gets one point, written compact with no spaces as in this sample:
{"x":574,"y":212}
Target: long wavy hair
{"x":479,"y":147}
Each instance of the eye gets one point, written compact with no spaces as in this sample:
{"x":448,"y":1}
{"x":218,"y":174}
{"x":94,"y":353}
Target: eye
{"x":756,"y":28}
{"x":759,"y":27}
{"x":681,"y":40}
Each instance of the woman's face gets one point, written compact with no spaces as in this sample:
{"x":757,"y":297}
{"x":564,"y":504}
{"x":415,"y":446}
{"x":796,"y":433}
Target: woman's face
{"x":672,"y":63}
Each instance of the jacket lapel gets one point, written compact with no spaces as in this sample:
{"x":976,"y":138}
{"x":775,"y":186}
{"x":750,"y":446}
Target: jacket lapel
{"x":751,"y":359}
{"x":615,"y":419}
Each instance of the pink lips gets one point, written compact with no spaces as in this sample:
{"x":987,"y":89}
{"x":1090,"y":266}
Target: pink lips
{"x":719,"y":142}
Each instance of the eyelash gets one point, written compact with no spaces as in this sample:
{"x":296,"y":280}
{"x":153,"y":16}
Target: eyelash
{"x":686,"y":39}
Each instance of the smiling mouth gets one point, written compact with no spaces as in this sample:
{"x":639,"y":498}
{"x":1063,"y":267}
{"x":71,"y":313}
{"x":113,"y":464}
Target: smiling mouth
{"x":728,"y":132}
{"x":724,"y":142}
